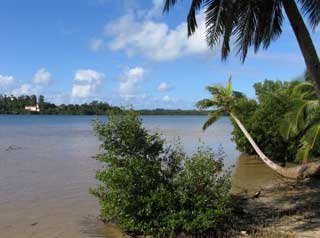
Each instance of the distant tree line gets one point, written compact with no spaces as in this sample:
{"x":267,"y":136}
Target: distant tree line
{"x":16,"y":105}
{"x":160,"y":111}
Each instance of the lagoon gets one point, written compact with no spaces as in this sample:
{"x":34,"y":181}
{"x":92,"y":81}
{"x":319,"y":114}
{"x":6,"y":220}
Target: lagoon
{"x":46,"y":170}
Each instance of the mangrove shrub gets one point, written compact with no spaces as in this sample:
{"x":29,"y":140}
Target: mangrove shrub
{"x":150,"y":188}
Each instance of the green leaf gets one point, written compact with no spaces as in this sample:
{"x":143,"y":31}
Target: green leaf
{"x":205,"y":103}
{"x":286,"y":128}
{"x":229,"y":87}
{"x":213,"y":117}
{"x":312,"y":136}
{"x":303,"y":152}
{"x":215,"y":89}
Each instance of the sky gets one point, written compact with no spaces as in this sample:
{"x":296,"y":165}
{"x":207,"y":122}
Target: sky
{"x":126,"y":53}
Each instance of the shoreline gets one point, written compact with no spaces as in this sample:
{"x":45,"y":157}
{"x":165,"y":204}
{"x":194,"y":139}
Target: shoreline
{"x":291,"y":209}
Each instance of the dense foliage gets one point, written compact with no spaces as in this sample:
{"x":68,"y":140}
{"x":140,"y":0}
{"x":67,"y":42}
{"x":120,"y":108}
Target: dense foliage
{"x":150,"y":188}
{"x":264,"y":119}
{"x":302,"y":122}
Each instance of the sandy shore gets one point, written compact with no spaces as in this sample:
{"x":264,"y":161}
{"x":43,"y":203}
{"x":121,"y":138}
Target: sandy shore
{"x":291,"y":208}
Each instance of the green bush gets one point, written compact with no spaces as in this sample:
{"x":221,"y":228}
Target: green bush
{"x":263,"y":121}
{"x":150,"y":188}
{"x":244,"y":110}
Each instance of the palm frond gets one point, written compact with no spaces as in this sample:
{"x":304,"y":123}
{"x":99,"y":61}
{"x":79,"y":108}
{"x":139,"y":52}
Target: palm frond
{"x":228,"y":88}
{"x":287,"y":129}
{"x":298,"y":115}
{"x":213,"y":117}
{"x":313,"y":107}
{"x":304,"y":90}
{"x":192,"y":21}
{"x":216,"y":14}
{"x":228,"y":28}
{"x":311,"y":8}
{"x":245,"y":28}
{"x":168,"y":4}
{"x":269,"y":23}
{"x":205,"y":103}
{"x":312,"y":136}
{"x":295,"y":120}
{"x":215,"y":89}
{"x":303,"y":152}
{"x":251,"y":22}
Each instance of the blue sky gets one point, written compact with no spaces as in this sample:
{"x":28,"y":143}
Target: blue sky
{"x":124,"y":52}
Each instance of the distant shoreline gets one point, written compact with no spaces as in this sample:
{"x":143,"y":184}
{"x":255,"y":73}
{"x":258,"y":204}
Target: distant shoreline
{"x":33,"y":105}
{"x":140,"y":112}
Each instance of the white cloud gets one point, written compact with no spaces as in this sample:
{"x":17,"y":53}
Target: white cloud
{"x":156,"y":10}
{"x":167,"y":98}
{"x":164,"y":87}
{"x":96,"y":44}
{"x":88,"y":76}
{"x":129,"y":83}
{"x":82,"y":91}
{"x":6,"y":80}
{"x":155,"y":40}
{"x":25,"y":89}
{"x":42,"y":76}
{"x":86,"y":82}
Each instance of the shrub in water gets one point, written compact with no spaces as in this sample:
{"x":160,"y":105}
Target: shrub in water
{"x":150,"y":188}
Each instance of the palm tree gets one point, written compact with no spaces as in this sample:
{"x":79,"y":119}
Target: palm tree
{"x":256,"y":23}
{"x":223,"y":101}
{"x":303,"y":122}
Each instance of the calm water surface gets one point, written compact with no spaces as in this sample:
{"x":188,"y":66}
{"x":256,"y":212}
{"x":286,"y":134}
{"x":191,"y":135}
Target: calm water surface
{"x":46,"y":170}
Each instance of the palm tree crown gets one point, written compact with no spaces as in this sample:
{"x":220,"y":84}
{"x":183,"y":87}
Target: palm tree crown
{"x":303,"y":121}
{"x":252,"y":22}
{"x":256,"y":23}
{"x":223,"y":100}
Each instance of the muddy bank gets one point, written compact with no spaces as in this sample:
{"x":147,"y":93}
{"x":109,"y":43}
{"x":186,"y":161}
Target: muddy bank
{"x":281,"y":206}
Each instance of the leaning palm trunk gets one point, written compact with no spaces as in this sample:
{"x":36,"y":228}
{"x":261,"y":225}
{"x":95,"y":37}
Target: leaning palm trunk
{"x":305,"y":42}
{"x":297,"y":172}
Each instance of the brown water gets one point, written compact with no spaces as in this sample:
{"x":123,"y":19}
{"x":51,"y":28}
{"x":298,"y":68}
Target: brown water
{"x":46,"y":171}
{"x":252,"y":175}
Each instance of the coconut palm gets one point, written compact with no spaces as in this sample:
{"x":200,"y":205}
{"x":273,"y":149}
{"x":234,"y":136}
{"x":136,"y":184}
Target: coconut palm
{"x":223,"y":101}
{"x":256,"y":23}
{"x":303,"y":121}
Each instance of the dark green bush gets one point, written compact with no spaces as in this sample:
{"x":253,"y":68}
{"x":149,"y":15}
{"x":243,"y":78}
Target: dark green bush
{"x":263,"y":120}
{"x":150,"y":188}
{"x":244,"y":110}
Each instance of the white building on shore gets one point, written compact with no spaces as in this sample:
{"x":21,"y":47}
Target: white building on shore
{"x":35,"y":108}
